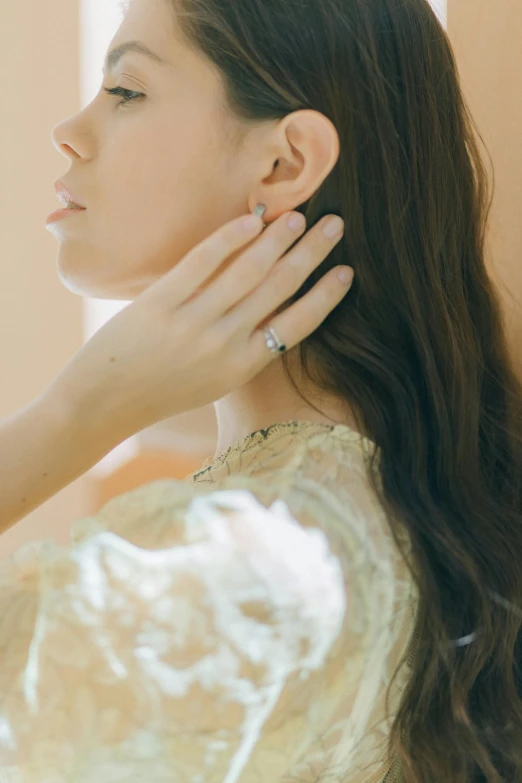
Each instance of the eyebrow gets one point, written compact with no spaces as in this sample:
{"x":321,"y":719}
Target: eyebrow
{"x":114,"y":57}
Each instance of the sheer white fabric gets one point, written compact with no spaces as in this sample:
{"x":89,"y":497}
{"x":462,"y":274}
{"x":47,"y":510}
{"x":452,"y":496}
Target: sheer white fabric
{"x":241,"y":626}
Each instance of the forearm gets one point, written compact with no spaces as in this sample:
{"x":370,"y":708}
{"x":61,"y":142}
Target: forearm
{"x":41,"y":452}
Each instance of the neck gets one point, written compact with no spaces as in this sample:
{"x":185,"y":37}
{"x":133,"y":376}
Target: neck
{"x":269,"y":399}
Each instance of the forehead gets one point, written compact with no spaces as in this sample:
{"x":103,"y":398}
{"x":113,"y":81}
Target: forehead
{"x":190,"y":73}
{"x":150,"y":21}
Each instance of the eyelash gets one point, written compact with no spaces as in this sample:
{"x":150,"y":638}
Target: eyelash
{"x":124,"y":94}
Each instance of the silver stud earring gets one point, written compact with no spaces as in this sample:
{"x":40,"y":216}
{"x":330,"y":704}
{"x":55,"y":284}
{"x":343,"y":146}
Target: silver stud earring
{"x":260,"y":211}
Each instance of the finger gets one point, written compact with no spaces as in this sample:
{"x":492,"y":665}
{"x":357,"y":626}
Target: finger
{"x":285,"y":279}
{"x":252,"y":267}
{"x":301,"y":319}
{"x":182,"y":282}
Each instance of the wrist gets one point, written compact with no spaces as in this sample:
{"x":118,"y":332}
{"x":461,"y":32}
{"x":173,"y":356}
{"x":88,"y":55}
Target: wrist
{"x":43,"y":449}
{"x":78,"y":422}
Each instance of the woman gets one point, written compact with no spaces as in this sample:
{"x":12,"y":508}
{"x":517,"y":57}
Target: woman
{"x":336,"y":595}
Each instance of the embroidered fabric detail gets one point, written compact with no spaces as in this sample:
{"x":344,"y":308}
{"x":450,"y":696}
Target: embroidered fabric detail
{"x":240,"y":626}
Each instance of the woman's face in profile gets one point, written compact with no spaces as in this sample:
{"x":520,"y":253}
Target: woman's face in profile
{"x":155,"y":173}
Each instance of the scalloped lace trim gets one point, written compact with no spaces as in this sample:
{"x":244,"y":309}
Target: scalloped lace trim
{"x":261,"y":436}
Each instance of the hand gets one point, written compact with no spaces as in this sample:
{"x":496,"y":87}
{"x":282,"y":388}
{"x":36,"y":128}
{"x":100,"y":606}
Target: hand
{"x":193,"y":336}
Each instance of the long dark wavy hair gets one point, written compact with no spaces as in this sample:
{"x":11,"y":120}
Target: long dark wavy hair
{"x":418,"y":347}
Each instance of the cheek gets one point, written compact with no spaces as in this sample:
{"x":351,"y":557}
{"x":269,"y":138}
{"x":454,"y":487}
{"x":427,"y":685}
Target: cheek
{"x":153,"y":210}
{"x":142,"y":241}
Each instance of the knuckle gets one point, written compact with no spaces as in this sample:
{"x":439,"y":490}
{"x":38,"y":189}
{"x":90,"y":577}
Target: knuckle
{"x":237,"y":369}
{"x":288,"y":277}
{"x":246,"y":275}
{"x":330,"y":288}
{"x":190,"y":317}
{"x":215,"y":339}
{"x":299,"y":267}
{"x":321,"y":295}
{"x":281,"y":240}
{"x":237,"y":356}
{"x":295,"y":261}
{"x":272,"y":246}
{"x":221,"y":245}
{"x":309,"y":255}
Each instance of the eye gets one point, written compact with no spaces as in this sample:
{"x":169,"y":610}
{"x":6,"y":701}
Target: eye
{"x":127,"y":95}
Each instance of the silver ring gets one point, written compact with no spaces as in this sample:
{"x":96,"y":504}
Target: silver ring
{"x":273,"y":343}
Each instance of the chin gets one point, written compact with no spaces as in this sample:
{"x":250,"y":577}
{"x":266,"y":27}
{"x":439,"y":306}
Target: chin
{"x":93,"y":290}
{"x":86,"y":285}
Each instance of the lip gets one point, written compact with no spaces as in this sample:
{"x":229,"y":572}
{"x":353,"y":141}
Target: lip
{"x":64,"y":193}
{"x":63,"y":213}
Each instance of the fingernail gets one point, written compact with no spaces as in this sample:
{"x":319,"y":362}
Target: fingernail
{"x":346,"y":274}
{"x":333,"y":227}
{"x":297,"y":222}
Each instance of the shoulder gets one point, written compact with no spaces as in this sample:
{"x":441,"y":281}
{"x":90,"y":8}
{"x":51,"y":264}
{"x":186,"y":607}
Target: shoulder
{"x":318,"y":472}
{"x":322,"y":472}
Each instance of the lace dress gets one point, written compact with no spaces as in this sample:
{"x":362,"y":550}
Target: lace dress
{"x":239,"y":626}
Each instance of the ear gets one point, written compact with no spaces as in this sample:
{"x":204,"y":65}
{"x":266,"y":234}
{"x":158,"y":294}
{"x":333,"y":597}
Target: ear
{"x":303,"y":150}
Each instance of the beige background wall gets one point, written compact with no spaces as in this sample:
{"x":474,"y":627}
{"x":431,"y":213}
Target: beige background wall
{"x":487,"y":37}
{"x":41,"y":322}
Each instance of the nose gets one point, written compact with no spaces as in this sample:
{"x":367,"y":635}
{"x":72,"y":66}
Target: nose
{"x":61,"y":141}
{"x":70,"y":137}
